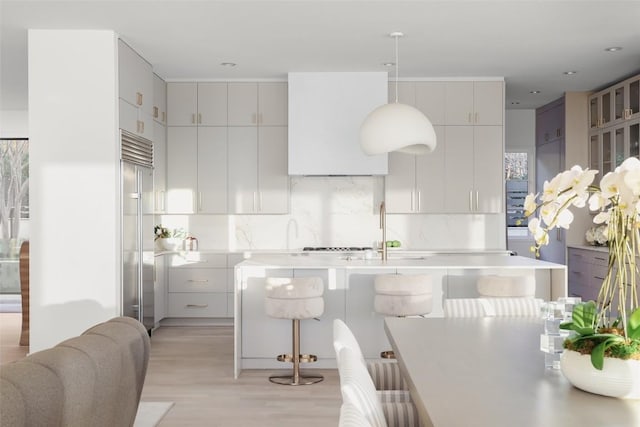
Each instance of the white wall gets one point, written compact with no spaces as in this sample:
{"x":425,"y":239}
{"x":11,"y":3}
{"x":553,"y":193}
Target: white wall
{"x":14,"y":124}
{"x":74,"y":171}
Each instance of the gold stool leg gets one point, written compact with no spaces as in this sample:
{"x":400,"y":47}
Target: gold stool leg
{"x":296,"y":378}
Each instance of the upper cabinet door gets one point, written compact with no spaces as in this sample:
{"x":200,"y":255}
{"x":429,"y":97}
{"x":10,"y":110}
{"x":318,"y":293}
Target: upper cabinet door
{"x":159,"y":100}
{"x":488,"y":103}
{"x":406,"y":93}
{"x":212,"y":104}
{"x":182,"y":104}
{"x":243,"y":170}
{"x":243,"y":104}
{"x":182,"y":172}
{"x":430,"y":177}
{"x":459,"y":103}
{"x":272,"y":104}
{"x":273,"y":180}
{"x":135,"y":79}
{"x":212,"y":169}
{"x":430,"y":98}
{"x":400,"y":183}
{"x":459,"y":160}
{"x":488,"y":168}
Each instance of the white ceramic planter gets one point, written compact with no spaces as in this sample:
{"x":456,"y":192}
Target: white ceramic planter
{"x":171,"y":243}
{"x":618,"y":378}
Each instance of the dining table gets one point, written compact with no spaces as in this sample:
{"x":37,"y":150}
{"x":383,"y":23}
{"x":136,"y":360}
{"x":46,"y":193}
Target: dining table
{"x":489,"y":371}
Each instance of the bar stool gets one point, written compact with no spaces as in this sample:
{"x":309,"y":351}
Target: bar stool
{"x":402,"y":295}
{"x":296,"y":299}
{"x":506,"y":286}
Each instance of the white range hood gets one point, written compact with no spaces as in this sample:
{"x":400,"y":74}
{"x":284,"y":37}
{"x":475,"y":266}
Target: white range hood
{"x":325,"y":114}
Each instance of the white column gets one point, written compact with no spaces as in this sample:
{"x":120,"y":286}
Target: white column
{"x":74,"y":191}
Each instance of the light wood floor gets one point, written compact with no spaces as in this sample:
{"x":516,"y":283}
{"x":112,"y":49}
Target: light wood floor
{"x":193,"y":367}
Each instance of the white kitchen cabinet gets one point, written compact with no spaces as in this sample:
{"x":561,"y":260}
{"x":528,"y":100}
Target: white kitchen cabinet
{"x":160,"y":289}
{"x":410,"y":186}
{"x":197,"y":285}
{"x":159,"y":167}
{"x":406,"y":93}
{"x":197,"y":104}
{"x":196,"y":169}
{"x":257,"y":104}
{"x":159,"y":100}
{"x":430,"y":98}
{"x":474,"y":103}
{"x":258,"y":180}
{"x":474,"y":169}
{"x":135,"y":80}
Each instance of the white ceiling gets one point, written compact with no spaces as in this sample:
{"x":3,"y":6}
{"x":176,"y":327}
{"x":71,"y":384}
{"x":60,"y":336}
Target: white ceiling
{"x":530,"y":43}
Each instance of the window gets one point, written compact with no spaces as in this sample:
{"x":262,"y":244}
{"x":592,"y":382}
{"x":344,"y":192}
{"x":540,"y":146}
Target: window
{"x":14,"y":186}
{"x":517,"y":181}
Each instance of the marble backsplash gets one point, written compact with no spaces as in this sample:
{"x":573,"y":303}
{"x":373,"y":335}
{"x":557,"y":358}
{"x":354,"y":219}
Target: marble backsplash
{"x":340,"y":211}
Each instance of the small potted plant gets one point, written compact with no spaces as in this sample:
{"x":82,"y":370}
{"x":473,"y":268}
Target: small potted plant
{"x":603,"y":354}
{"x":169,"y":239}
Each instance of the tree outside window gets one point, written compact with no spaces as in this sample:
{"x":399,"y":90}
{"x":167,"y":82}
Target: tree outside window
{"x":14,"y":191}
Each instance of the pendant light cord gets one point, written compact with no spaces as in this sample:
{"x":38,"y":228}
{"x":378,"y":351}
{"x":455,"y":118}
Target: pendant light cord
{"x":396,"y":37}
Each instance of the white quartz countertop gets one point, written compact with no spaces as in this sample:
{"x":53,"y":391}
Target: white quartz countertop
{"x":463,"y":261}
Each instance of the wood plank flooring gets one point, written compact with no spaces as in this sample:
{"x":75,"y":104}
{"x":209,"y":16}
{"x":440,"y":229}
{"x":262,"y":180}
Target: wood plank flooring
{"x":193,"y":367}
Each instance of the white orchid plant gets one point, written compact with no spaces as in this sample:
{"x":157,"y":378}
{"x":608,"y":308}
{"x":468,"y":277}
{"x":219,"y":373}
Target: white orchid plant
{"x":603,"y":327}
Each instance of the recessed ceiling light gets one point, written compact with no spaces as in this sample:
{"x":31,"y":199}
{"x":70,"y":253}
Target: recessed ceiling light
{"x":570,"y":73}
{"x":228,"y":64}
{"x":613,"y":49}
{"x":534,"y":91}
{"x":389,"y":64}
{"x":515,"y":102}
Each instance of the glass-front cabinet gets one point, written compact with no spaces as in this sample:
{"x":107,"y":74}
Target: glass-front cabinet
{"x":614,"y":121}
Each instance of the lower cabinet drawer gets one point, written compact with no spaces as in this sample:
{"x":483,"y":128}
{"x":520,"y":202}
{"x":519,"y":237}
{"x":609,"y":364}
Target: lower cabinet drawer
{"x":194,"y":304}
{"x":198,"y":280}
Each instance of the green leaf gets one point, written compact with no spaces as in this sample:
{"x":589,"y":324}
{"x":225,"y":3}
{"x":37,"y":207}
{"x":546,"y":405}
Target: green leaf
{"x":597,"y":354}
{"x":584,"y":315}
{"x":633,"y":326}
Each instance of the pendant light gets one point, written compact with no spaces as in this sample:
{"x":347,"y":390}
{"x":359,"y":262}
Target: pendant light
{"x":397,"y":127}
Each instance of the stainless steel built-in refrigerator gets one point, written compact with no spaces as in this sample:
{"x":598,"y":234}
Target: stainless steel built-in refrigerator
{"x":137,"y":229}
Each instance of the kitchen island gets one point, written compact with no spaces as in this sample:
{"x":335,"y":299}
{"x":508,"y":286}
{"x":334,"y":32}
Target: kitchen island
{"x":349,"y":294}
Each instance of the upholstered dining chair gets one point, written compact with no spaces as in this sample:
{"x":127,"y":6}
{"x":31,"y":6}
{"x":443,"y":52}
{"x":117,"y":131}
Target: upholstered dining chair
{"x":385,"y":374}
{"x":358,"y":390}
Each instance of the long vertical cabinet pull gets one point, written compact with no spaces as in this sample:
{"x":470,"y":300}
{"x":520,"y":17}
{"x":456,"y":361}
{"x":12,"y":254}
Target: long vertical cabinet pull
{"x":254,"y":201}
{"x":470,"y":200}
{"x":412,"y":209}
{"x":259,"y":201}
{"x":419,"y":201}
{"x":199,"y":201}
{"x":193,"y":118}
{"x":477,"y":201}
{"x":199,"y":118}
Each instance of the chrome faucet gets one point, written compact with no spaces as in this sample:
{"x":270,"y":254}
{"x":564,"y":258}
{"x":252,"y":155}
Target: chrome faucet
{"x":383,"y":227}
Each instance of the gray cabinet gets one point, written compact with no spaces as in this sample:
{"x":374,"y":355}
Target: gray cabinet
{"x":135,"y":80}
{"x":587,"y":269}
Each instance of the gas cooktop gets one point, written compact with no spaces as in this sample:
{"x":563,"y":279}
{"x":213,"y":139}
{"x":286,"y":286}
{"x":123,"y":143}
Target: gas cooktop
{"x":336,"y":248}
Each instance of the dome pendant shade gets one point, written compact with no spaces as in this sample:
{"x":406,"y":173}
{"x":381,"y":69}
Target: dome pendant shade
{"x":397,"y":127}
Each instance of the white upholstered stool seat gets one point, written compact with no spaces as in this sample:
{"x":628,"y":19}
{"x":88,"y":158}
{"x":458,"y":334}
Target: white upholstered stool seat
{"x":403,"y":295}
{"x":506,"y":286}
{"x":295,"y":298}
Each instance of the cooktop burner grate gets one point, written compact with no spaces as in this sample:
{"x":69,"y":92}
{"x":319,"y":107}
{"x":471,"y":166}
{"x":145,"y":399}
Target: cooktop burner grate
{"x":335,"y":248}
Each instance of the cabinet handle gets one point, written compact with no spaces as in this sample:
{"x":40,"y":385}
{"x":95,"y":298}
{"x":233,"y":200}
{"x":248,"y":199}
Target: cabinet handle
{"x":142,"y":126}
{"x":412,"y":201}
{"x":155,"y":112}
{"x":469,"y":118}
{"x":599,"y":258}
{"x":254,"y":201}
{"x":199,"y":200}
{"x":193,"y":119}
{"x":164,"y":117}
{"x":558,"y":235}
{"x":576,"y":272}
{"x":627,"y":113}
{"x":199,"y":118}
{"x":471,"y":201}
{"x":419,"y":201}
{"x":598,"y":277}
{"x":138,"y":98}
{"x":162,"y":200}
{"x":254,"y":118}
{"x":196,"y":305}
{"x":476,"y":118}
{"x":197,"y":280}
{"x":477,"y":201}
{"x":259,"y":201}
{"x":546,"y":136}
